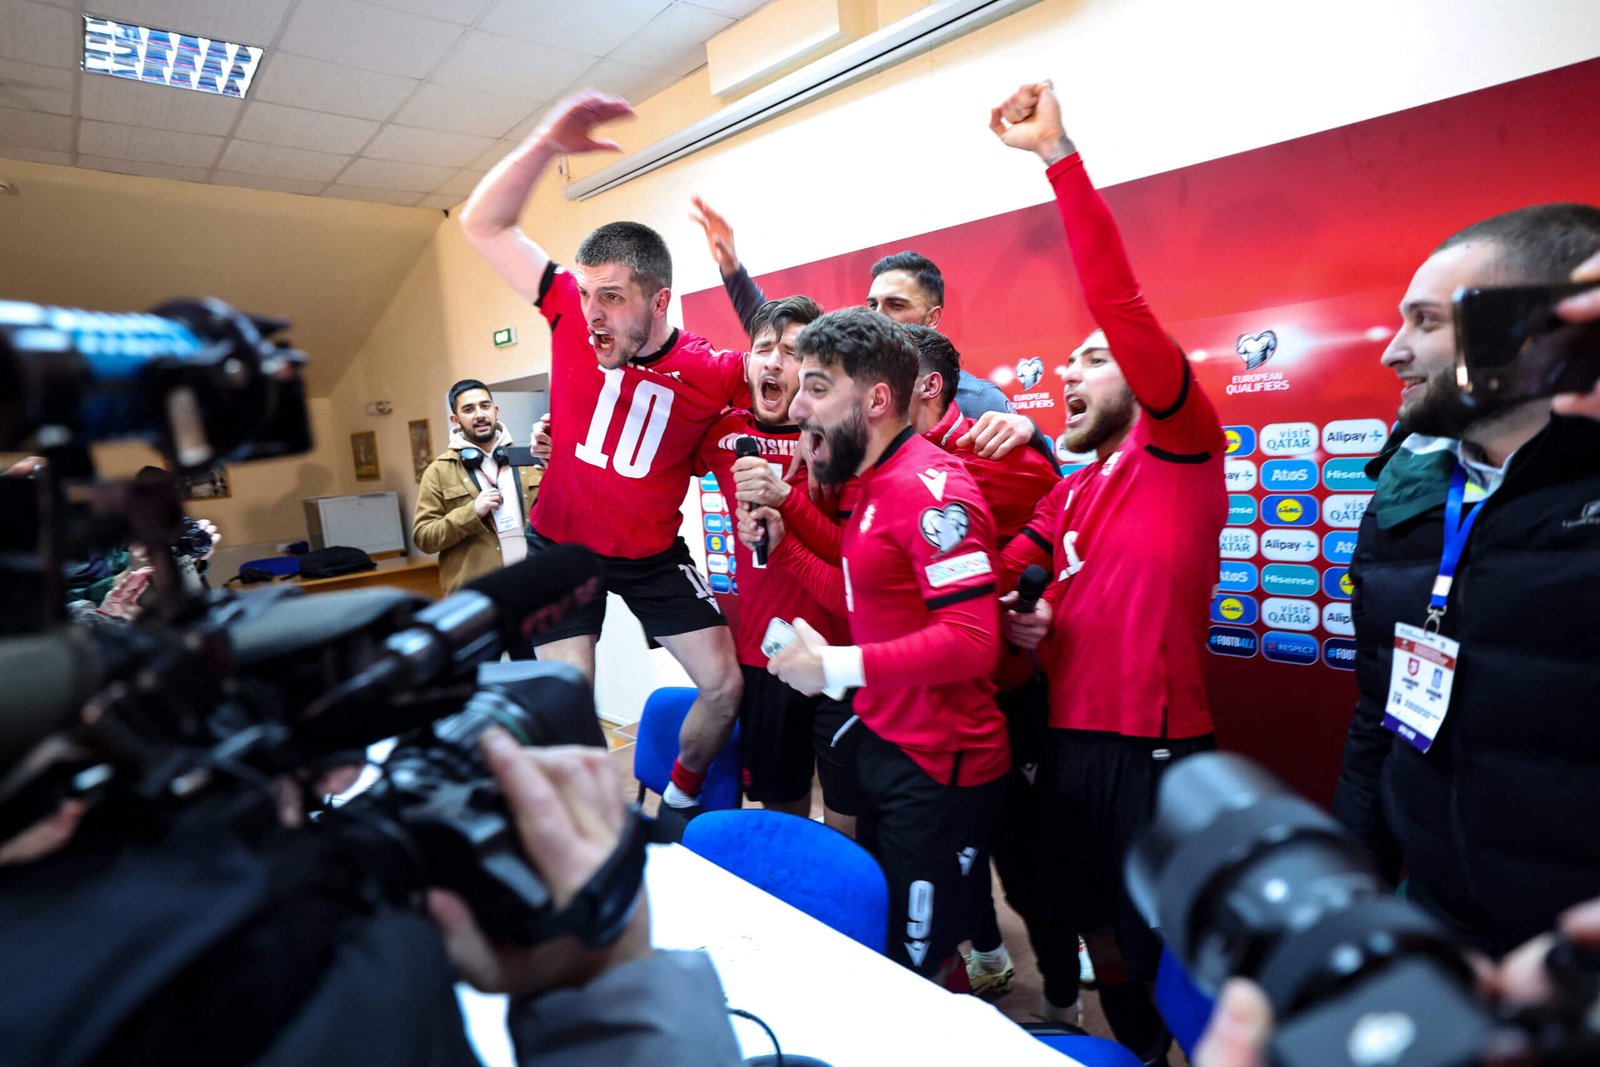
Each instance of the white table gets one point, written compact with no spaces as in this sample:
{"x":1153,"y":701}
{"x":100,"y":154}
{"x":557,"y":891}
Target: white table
{"x":822,"y":993}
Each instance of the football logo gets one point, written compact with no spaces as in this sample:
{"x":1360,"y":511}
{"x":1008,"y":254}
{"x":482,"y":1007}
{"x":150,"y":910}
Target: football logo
{"x":945,"y":528}
{"x":1256,"y":348}
{"x":1029,"y":371}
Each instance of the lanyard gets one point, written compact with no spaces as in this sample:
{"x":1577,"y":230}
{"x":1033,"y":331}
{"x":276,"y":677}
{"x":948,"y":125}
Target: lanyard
{"x":1456,"y":532}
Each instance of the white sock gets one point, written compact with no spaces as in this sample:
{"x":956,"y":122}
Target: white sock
{"x":677,"y":798}
{"x":992,"y":959}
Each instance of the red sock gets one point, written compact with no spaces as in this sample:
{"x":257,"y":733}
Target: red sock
{"x":686,"y":780}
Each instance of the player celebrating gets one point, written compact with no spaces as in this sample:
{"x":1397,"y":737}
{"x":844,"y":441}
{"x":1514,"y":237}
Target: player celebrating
{"x":630,"y":399}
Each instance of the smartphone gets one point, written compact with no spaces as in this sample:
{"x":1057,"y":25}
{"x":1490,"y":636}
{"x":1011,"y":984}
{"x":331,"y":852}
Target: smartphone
{"x":779,"y":636}
{"x":1510,"y":346}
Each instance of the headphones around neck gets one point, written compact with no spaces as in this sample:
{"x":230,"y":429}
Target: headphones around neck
{"x":472,"y":458}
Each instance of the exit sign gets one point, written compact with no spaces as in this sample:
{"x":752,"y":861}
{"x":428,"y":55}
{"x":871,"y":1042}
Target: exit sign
{"x":506,"y":337}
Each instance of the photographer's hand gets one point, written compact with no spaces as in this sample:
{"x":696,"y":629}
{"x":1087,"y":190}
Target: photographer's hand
{"x":567,"y":803}
{"x":1585,"y":307}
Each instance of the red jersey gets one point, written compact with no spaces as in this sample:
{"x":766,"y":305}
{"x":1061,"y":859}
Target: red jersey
{"x":1132,"y":539}
{"x":919,"y":588}
{"x":624,"y":440}
{"x":765,"y":592}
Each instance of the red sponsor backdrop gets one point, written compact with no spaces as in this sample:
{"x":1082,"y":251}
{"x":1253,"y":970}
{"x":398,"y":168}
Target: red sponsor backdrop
{"x":1314,"y":240}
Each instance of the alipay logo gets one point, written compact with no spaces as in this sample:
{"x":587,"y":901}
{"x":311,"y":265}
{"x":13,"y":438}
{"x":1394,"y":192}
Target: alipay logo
{"x":1354,"y":437}
{"x":1289,"y":546}
{"x":1239,"y":475}
{"x":1336,"y":619}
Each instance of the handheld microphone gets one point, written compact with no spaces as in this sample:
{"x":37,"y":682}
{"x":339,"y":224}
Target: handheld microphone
{"x":746,"y":446}
{"x":1030,"y":587}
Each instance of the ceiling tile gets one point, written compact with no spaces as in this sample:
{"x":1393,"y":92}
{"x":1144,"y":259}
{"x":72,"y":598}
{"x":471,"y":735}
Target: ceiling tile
{"x":35,"y":88}
{"x":371,"y":195}
{"x":629,"y":82}
{"x":495,"y":64}
{"x":152,"y":146}
{"x":299,"y":128}
{"x":461,"y":185}
{"x":146,"y":170}
{"x":444,"y":107}
{"x":239,"y":21}
{"x":465,"y":12}
{"x":573,"y":26}
{"x":301,"y":81}
{"x":383,"y":174}
{"x":268,"y":182}
{"x":411,"y":145}
{"x":438,"y":202}
{"x":31,"y":129}
{"x":35,"y":155}
{"x":675,"y":42}
{"x":40,"y":33}
{"x":282,"y":162}
{"x":493,"y":154}
{"x":732,"y":8}
{"x":369,"y":37}
{"x":135,"y":103}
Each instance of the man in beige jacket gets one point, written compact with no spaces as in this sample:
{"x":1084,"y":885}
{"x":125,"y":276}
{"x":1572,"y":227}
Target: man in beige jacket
{"x":472,"y":504}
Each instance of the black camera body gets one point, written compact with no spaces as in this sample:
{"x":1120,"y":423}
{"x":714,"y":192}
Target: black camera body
{"x":192,"y":541}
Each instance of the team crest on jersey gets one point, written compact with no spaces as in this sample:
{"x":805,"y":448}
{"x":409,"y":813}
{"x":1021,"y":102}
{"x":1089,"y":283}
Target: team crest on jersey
{"x":946,"y":527}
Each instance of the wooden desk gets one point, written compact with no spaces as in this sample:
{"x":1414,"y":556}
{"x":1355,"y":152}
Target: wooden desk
{"x":415,"y":574}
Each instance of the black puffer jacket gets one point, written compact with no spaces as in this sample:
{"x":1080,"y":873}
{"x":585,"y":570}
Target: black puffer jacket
{"x":1498,"y":826}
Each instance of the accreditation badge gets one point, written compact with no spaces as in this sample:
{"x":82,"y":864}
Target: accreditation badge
{"x":1420,"y":679}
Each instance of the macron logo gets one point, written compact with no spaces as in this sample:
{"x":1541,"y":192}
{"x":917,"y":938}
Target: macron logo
{"x":934,"y":480}
{"x":967,"y":856}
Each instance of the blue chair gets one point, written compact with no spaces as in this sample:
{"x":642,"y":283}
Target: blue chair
{"x":803,"y":863}
{"x":657,"y":748}
{"x":1181,"y":1003}
{"x":1087,"y":1050}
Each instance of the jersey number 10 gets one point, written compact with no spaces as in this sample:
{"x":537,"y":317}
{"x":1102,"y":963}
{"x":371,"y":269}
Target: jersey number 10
{"x":641,"y":433}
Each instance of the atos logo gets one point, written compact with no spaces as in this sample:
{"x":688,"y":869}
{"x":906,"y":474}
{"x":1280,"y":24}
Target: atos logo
{"x":1289,"y":546}
{"x":717,"y":524}
{"x":1241,"y":441}
{"x":1339,"y":547}
{"x":1289,"y":614}
{"x":1235,"y":577}
{"x":1289,"y":648}
{"x":1354,"y":437}
{"x":1232,"y":641}
{"x":1347,"y":476}
{"x":1344,"y":510}
{"x":1280,"y":475}
{"x":721,"y":583}
{"x":1241,"y":509}
{"x":1294,"y":509}
{"x":1235,"y":609}
{"x":1238,"y":544}
{"x":1336,"y":583}
{"x":1339,"y":654}
{"x":1288,"y":579}
{"x":1289,"y":438}
{"x":716,"y":543}
{"x":1336,"y":619}
{"x":1239,"y":475}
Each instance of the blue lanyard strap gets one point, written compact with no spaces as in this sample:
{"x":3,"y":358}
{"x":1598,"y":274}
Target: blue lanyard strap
{"x":1456,"y":532}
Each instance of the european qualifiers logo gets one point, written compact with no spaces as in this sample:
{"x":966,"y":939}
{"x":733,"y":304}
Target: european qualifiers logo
{"x":1255,"y":349}
{"x":1029,"y":372}
{"x":946,"y":527}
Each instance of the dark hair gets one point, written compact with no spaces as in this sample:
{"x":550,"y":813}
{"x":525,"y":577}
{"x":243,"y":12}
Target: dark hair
{"x":869,"y":348}
{"x":918,"y":266}
{"x":1537,"y":245}
{"x":634,"y":245}
{"x":465,"y":385}
{"x":779,"y":315}
{"x":936,"y":353}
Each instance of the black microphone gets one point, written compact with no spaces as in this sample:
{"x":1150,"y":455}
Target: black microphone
{"x":1030,"y":587}
{"x":746,"y":446}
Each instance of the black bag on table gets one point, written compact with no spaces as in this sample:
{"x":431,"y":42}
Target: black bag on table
{"x":334,"y":561}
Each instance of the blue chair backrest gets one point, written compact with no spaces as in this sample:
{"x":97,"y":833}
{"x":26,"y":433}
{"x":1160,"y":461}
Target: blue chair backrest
{"x":657,"y":747}
{"x":1091,"y":1051}
{"x":1181,"y":1003}
{"x":803,"y":863}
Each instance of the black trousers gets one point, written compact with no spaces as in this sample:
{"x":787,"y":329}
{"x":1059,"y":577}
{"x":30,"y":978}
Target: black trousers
{"x":1016,"y":836}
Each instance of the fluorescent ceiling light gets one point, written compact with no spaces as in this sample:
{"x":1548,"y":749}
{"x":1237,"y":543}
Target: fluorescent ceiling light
{"x":181,"y":60}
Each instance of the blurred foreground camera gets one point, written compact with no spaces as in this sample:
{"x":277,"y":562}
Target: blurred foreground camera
{"x":1242,"y":877}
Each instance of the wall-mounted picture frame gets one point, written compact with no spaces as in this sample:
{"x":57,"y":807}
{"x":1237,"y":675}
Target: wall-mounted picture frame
{"x":364,"y":447}
{"x":209,"y":484}
{"x":421,"y":446}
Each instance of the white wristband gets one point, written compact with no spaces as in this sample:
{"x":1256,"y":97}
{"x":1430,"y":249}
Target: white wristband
{"x":842,"y":670}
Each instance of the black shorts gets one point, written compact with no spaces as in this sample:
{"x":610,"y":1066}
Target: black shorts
{"x":1096,"y":791}
{"x":665,"y":591}
{"x":785,"y":735}
{"x":929,"y":838}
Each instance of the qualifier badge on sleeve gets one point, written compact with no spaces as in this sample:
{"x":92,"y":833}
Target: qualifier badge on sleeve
{"x":1420,"y":678}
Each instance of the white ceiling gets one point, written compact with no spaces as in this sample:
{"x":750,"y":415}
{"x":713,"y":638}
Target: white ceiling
{"x":402,"y":102}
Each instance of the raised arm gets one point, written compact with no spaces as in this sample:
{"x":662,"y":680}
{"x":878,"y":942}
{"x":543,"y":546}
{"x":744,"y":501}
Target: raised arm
{"x":742,"y":290}
{"x":490,"y":218}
